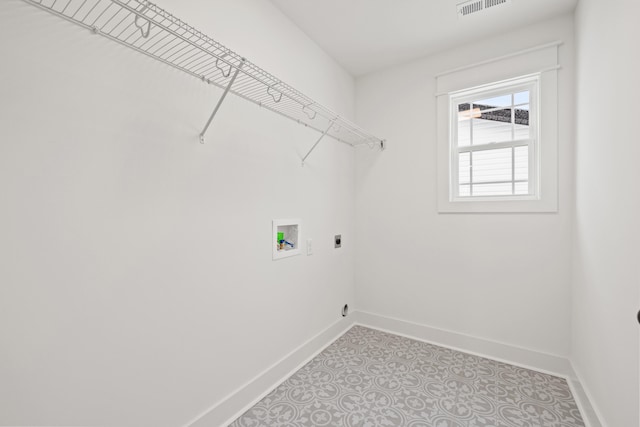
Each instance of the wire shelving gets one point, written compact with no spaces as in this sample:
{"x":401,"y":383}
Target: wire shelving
{"x":150,"y":30}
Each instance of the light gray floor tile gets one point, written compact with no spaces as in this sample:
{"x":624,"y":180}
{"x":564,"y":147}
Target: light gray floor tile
{"x":368,"y":378}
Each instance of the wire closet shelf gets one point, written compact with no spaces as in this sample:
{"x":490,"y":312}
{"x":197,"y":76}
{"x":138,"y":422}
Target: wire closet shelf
{"x":148,"y":29}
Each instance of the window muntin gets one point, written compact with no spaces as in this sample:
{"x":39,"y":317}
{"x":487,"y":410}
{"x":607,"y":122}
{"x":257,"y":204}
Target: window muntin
{"x":494,"y":134}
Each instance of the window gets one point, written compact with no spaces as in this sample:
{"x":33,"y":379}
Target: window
{"x":498,"y":143}
{"x":494,"y":135}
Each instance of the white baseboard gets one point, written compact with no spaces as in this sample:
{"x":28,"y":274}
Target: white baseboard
{"x":518,"y":356}
{"x":586,"y":404}
{"x":236,"y":403}
{"x":239,"y":401}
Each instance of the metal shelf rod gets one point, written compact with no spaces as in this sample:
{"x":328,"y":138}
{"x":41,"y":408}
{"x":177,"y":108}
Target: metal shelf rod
{"x":220,"y":101}
{"x":317,"y":142}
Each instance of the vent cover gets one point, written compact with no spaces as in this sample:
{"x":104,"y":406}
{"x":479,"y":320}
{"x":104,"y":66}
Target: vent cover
{"x":491,"y":3}
{"x":475,"y":6}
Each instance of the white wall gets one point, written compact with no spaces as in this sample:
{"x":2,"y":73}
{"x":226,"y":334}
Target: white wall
{"x":137,"y":286}
{"x":502,"y":277}
{"x":607,"y":276}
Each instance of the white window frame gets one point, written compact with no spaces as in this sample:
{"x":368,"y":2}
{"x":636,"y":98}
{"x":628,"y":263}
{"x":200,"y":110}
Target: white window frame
{"x":545,"y":194}
{"x":531,"y":84}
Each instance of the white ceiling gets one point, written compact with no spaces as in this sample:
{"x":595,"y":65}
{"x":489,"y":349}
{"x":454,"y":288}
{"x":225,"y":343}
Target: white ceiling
{"x":366,"y":35}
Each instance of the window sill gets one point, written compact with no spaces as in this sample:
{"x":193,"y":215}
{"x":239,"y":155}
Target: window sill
{"x":497,"y":206}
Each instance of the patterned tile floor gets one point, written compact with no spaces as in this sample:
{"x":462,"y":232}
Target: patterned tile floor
{"x":369,"y":378}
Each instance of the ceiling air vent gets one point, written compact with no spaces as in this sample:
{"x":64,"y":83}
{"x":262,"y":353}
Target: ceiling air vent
{"x":469,"y":7}
{"x":491,"y":3}
{"x":475,"y":6}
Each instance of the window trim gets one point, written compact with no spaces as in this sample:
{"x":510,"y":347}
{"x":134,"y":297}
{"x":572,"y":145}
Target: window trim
{"x":547,"y":146}
{"x":530,"y":83}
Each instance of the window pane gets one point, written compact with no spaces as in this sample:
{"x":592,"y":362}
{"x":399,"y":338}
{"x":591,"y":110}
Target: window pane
{"x":522,"y":188}
{"x":494,"y":126}
{"x":521,"y":98}
{"x":522,"y":123}
{"x":521,"y":163}
{"x":464,"y":190}
{"x":498,"y":101}
{"x":492,"y":165}
{"x":503,"y":189}
{"x":464,"y":132}
{"x":464,"y":168}
{"x":521,"y":132}
{"x":464,"y":111}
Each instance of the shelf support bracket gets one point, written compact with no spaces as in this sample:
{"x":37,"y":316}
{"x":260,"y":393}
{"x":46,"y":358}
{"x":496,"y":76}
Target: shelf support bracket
{"x":220,"y":101}
{"x":318,"y":141}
